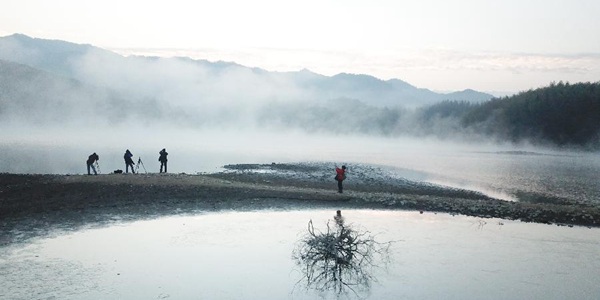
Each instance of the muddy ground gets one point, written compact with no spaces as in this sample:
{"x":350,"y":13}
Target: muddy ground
{"x":38,"y":205}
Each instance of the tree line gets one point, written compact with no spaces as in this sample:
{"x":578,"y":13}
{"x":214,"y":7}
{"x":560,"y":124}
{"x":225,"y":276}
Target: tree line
{"x":561,"y":114}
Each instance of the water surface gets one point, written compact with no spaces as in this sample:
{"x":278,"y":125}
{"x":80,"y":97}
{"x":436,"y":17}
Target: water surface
{"x":535,"y":174}
{"x":248,"y":255}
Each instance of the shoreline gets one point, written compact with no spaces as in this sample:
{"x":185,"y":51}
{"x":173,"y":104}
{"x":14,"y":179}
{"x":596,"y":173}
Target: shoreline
{"x":37,"y":205}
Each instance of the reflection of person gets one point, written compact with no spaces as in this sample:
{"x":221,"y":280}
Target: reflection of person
{"x":128,"y":161}
{"x":341,"y":175}
{"x":339,"y":220}
{"x":163,"y":159}
{"x":90,"y":163}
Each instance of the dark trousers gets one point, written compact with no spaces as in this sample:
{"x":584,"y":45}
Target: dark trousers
{"x":340,"y":187}
{"x":127,"y":165}
{"x":163,"y":163}
{"x":93,"y":168}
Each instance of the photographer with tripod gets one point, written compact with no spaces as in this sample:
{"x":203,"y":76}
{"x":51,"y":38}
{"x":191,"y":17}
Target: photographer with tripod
{"x":128,"y":161}
{"x":94,"y":158}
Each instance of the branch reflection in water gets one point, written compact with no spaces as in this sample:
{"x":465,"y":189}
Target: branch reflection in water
{"x":341,"y":259}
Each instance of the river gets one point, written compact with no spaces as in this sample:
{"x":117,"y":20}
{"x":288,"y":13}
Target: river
{"x":248,"y":255}
{"x":513,"y":173}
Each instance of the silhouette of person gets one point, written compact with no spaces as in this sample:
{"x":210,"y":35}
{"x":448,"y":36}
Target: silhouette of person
{"x":90,"y":163}
{"x":163,"y":159}
{"x":128,"y":161}
{"x":340,"y":176}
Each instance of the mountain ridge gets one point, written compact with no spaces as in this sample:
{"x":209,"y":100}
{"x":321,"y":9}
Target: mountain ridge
{"x":60,"y":56}
{"x":563,"y":114}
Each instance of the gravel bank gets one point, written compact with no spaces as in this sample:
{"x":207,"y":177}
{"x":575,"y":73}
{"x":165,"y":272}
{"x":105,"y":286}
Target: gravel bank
{"x":37,"y":205}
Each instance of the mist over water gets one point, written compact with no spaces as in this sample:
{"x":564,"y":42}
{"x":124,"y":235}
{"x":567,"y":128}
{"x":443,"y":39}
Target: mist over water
{"x":54,"y":83}
{"x":67,"y":101}
{"x":498,"y":171}
{"x":56,"y":112}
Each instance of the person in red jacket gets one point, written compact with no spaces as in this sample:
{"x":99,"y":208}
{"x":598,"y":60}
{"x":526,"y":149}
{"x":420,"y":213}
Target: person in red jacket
{"x":341,"y":175}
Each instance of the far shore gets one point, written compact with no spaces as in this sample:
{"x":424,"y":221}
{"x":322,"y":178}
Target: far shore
{"x":36,"y":205}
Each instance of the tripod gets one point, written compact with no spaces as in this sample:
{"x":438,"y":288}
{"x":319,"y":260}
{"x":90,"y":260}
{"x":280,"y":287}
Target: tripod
{"x":137,"y":167}
{"x":98,"y":167}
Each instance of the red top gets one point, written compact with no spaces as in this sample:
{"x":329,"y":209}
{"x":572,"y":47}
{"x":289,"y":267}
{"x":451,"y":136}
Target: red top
{"x":340,"y":173}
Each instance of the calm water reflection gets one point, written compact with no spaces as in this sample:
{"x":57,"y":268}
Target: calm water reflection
{"x":248,"y":255}
{"x":340,"y":260}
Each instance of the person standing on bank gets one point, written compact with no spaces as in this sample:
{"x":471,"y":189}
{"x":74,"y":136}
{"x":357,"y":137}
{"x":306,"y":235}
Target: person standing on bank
{"x":128,"y":161}
{"x":163,"y":159}
{"x":340,"y":176}
{"x":90,"y":163}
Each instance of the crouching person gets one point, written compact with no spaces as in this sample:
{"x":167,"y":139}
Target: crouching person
{"x":92,"y":159}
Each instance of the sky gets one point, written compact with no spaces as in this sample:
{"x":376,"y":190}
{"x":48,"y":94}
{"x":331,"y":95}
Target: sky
{"x":499,"y":46}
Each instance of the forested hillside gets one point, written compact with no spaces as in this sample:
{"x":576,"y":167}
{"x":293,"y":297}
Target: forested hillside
{"x":561,"y":114}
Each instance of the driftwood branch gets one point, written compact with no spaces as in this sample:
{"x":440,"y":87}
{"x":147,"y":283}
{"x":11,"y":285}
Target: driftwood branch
{"x":340,"y":259}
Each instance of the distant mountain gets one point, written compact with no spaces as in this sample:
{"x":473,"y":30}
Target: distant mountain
{"x":97,"y":66}
{"x":57,"y":83}
{"x":49,"y":55}
{"x":563,"y":115}
{"x":468,"y":95}
{"x":38,"y":98}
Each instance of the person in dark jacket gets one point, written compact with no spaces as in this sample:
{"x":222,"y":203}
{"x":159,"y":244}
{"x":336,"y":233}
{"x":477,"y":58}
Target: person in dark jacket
{"x":128,"y":161}
{"x":163,"y":159}
{"x":90,"y":163}
{"x":340,"y":176}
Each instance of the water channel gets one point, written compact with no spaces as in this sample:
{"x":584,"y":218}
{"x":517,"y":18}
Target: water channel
{"x":248,"y":255}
